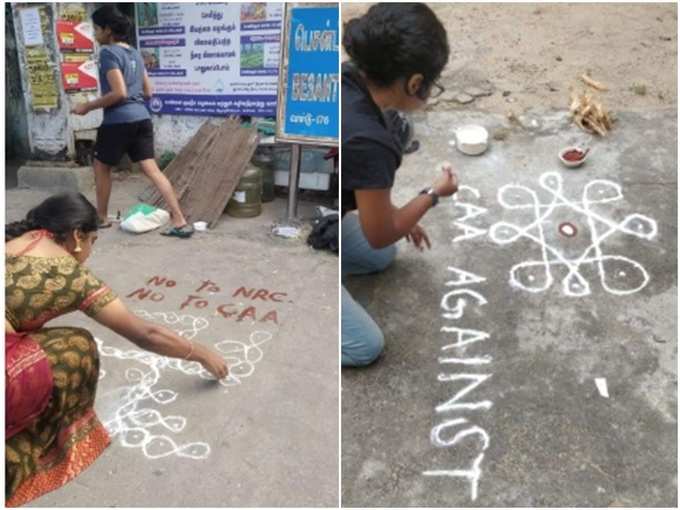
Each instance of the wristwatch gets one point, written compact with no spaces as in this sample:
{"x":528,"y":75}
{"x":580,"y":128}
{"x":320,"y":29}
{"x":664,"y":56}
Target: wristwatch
{"x":432,"y":193}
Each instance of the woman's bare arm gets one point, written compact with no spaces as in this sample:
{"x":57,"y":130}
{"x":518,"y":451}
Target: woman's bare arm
{"x":148,"y":88}
{"x":382,"y":223}
{"x":118,"y":93}
{"x":158,"y":339}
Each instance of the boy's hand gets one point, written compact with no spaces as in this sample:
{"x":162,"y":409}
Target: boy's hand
{"x":447,"y":184}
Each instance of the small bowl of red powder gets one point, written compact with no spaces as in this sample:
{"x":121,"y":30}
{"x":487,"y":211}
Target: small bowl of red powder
{"x":573,"y":157}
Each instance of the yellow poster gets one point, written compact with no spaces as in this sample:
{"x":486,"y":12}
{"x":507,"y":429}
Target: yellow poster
{"x":41,"y":78}
{"x":74,"y":13}
{"x":76,"y":58}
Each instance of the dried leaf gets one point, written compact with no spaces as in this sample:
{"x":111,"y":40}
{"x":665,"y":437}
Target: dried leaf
{"x":593,"y":83}
{"x":589,"y":114}
{"x":575,"y":103}
{"x":600,"y":130}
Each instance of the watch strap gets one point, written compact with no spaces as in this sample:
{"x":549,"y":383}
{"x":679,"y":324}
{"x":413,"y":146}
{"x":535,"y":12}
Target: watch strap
{"x":432,"y":193}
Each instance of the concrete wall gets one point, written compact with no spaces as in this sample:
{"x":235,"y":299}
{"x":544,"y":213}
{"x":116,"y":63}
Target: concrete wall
{"x":173,"y":132}
{"x":47,"y":130}
{"x":50,"y":133}
{"x":16,"y":128}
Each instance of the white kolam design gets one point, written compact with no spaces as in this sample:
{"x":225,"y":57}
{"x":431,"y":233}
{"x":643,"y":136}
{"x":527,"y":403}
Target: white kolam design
{"x":618,"y":274}
{"x":137,"y":419}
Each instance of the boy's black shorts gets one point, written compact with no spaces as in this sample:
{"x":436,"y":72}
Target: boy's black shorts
{"x":114,"y":140}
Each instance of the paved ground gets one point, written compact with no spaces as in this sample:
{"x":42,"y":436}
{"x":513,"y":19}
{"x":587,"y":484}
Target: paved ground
{"x":547,"y":435}
{"x":623,"y":46}
{"x":179,"y":440}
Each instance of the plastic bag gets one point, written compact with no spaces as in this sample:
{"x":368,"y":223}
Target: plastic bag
{"x":144,"y":218}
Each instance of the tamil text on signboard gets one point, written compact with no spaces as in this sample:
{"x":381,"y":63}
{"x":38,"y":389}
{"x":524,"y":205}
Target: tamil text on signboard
{"x":211,"y":59}
{"x":309,"y":91}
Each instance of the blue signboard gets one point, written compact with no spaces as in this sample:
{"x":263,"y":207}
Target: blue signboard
{"x":309,"y":86}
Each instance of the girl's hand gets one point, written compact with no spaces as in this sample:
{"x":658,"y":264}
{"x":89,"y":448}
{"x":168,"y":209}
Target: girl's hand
{"x":80,"y":109}
{"x":447,"y":184}
{"x":418,"y":236}
{"x":215,"y":364}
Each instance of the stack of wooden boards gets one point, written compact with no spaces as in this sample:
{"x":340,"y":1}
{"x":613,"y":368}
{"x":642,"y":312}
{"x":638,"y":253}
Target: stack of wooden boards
{"x":207,"y":170}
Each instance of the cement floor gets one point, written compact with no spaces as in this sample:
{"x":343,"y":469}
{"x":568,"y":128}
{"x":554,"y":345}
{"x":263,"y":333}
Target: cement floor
{"x":269,"y":438}
{"x":533,"y":429}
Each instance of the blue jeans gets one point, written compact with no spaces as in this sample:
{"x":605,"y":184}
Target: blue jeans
{"x":362,"y":339}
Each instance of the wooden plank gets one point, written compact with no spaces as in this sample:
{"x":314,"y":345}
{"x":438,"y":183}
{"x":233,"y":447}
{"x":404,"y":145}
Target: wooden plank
{"x":196,"y":155}
{"x":180,"y":169}
{"x":223,"y":166}
{"x":207,"y":170}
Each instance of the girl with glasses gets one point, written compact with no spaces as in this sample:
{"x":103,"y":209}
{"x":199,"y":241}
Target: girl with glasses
{"x":397,"y":51}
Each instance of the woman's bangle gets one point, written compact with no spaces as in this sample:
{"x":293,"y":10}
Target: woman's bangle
{"x":191,"y":351}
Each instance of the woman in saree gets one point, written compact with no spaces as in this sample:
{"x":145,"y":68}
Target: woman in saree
{"x":51,"y":432}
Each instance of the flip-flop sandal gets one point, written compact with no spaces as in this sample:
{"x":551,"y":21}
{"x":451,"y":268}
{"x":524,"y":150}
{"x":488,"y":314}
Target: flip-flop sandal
{"x":103,"y":224}
{"x":183,"y":232}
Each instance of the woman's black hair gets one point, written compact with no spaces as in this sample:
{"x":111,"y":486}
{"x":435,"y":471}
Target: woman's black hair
{"x":59,"y":214}
{"x":397,"y":40}
{"x":109,"y":16}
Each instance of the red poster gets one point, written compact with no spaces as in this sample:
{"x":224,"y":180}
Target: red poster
{"x":79,"y":75}
{"x":75,"y":36}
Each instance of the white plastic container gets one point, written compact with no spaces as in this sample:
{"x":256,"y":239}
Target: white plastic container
{"x":472,"y":140}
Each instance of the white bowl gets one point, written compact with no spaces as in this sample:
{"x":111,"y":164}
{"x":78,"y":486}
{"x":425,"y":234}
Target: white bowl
{"x":572,"y":164}
{"x":472,"y":140}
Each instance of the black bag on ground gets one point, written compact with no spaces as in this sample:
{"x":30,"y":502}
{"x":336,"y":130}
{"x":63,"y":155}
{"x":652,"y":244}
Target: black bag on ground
{"x":325,"y":234}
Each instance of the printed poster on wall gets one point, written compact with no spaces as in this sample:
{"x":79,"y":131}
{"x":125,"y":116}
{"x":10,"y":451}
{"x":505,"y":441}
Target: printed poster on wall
{"x":79,"y":73}
{"x":75,"y":36}
{"x":41,"y":79}
{"x":211,"y":59}
{"x":31,"y":26}
{"x":75,"y":32}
